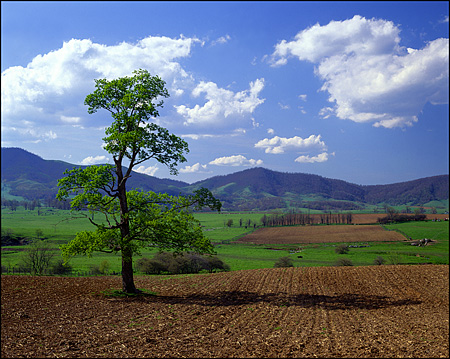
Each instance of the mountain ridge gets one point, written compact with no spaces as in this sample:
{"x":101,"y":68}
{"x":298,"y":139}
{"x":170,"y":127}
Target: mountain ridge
{"x":256,"y":188}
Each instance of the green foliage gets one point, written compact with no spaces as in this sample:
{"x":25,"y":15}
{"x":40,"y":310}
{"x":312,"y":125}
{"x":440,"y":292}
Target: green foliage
{"x":130,"y":102}
{"x":342,"y":249}
{"x":379,"y":260}
{"x":133,"y":219}
{"x":283,"y":262}
{"x":164,"y":262}
{"x":344,"y":262}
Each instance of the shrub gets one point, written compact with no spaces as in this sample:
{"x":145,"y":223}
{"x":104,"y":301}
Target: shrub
{"x":379,"y":260}
{"x":213,"y":263}
{"x":283,"y":262}
{"x":104,"y":267}
{"x":341,"y":249}
{"x":177,"y":264}
{"x":59,"y":267}
{"x":101,"y":268}
{"x":150,"y":266}
{"x":344,"y":262}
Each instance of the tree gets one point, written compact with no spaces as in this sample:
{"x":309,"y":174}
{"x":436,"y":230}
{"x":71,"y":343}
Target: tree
{"x":133,"y":219}
{"x":37,"y":257}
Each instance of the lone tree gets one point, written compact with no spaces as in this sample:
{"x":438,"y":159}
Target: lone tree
{"x":132,"y":220}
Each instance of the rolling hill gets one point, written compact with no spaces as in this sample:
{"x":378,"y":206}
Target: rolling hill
{"x":31,"y":177}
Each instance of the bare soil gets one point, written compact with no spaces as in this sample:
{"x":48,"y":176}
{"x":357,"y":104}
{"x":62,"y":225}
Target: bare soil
{"x":374,"y":311}
{"x":321,"y":234}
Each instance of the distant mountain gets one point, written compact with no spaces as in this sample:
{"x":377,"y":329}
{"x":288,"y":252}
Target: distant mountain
{"x":27,"y":175}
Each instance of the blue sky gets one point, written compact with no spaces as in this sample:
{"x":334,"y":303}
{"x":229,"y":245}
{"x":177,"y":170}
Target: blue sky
{"x":356,"y":91}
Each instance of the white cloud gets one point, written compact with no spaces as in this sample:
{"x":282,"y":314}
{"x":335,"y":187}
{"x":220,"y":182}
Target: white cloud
{"x":68,"y":119}
{"x":283,"y":107}
{"x":270,"y":131}
{"x":52,"y":87}
{"x":322,"y":157}
{"x":93,"y":160}
{"x":221,"y":40}
{"x":277,"y":145}
{"x":151,"y":170}
{"x":254,"y":123}
{"x":367,"y":74}
{"x":237,"y":160}
{"x":197,"y":168}
{"x":303,"y":97}
{"x":221,"y":103}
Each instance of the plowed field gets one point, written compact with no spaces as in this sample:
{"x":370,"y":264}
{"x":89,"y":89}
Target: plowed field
{"x":321,"y":234}
{"x":374,"y":311}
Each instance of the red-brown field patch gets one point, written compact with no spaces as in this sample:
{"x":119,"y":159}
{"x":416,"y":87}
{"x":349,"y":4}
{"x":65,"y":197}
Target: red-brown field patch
{"x":374,"y":311}
{"x":321,"y":234}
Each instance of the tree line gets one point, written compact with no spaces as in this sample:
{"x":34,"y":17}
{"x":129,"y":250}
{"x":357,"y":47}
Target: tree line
{"x":291,"y":219}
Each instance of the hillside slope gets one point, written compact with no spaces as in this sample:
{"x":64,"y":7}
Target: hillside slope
{"x":29,"y":176}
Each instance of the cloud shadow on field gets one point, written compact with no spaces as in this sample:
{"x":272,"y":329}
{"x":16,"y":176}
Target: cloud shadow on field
{"x":237,"y":298}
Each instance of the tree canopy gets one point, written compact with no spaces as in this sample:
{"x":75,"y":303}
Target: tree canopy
{"x":131,"y":220}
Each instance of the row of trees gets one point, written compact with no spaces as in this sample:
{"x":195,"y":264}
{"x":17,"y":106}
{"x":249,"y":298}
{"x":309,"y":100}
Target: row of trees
{"x":13,"y":204}
{"x":291,"y":219}
{"x":398,"y":217}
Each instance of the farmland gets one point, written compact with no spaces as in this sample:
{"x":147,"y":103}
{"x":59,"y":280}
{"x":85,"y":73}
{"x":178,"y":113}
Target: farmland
{"x":370,"y":311}
{"x":59,"y":226}
{"x":321,"y":234}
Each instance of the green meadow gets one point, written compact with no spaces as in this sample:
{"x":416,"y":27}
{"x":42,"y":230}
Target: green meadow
{"x":58,"y":227}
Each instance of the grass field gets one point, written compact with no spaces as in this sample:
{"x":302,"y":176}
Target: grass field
{"x":59,"y":226}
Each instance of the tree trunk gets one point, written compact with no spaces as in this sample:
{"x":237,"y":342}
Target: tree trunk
{"x":127,"y":254}
{"x":127,"y":273}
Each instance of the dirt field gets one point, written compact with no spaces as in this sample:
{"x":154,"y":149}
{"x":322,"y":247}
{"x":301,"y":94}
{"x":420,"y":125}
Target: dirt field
{"x":321,"y":234}
{"x":375,"y":311}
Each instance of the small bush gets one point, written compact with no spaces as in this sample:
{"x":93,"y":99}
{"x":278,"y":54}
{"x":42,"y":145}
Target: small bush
{"x":283,"y":262}
{"x":344,"y":262}
{"x":341,"y":249}
{"x":104,"y":267}
{"x":98,"y":269}
{"x":95,"y":269}
{"x":379,"y":261}
{"x":59,"y":267}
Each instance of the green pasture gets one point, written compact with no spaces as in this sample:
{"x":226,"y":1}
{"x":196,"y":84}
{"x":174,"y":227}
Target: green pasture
{"x":59,"y":226}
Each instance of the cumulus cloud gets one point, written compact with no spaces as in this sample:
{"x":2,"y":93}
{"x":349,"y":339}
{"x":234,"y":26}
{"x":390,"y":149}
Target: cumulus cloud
{"x":237,"y":160}
{"x":221,"y":103}
{"x":368,"y":75}
{"x":94,"y":160}
{"x":151,"y":170}
{"x":197,"y":168}
{"x":302,"y":97}
{"x":52,"y":87}
{"x":322,"y":157}
{"x":277,"y":145}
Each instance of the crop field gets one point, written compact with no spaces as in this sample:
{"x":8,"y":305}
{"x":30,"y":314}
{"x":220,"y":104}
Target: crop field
{"x":321,"y":234}
{"x":371,"y":311}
